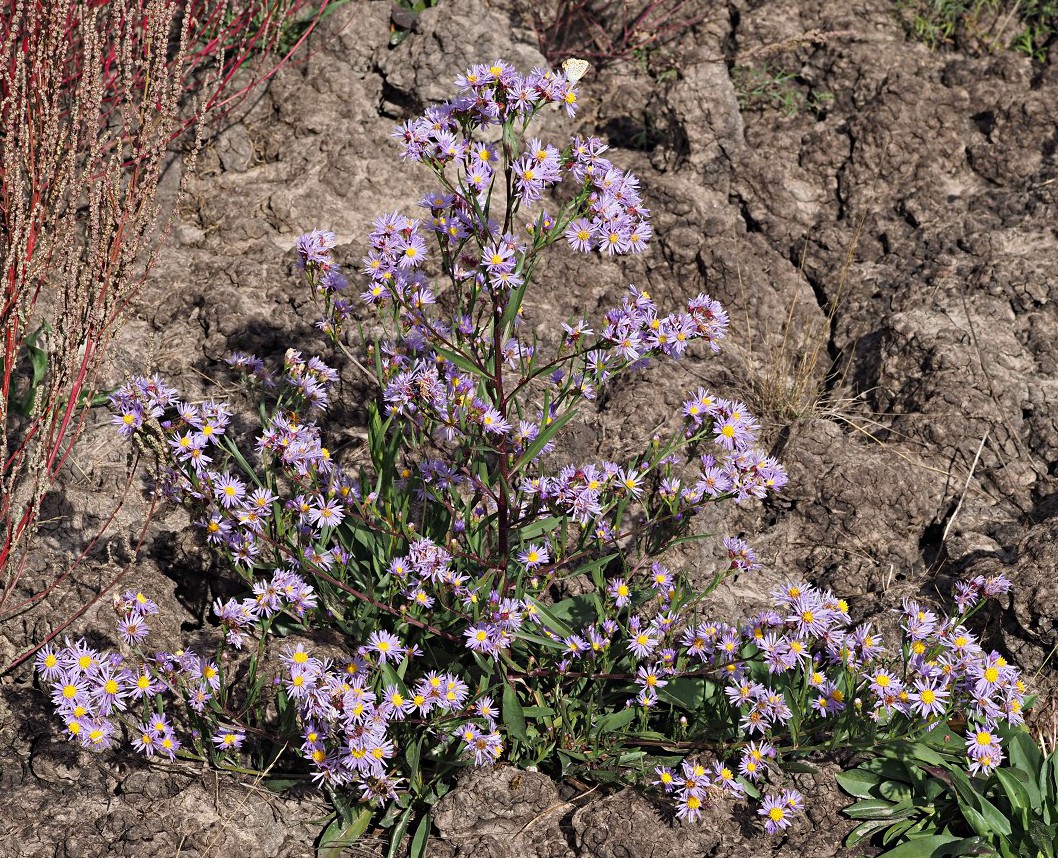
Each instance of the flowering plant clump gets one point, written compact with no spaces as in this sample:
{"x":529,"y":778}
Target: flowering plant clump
{"x":444,"y":560}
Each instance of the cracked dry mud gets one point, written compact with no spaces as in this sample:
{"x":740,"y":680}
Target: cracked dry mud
{"x":918,"y":201}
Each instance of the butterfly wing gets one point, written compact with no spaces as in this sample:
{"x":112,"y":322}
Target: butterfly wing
{"x":575,"y":69}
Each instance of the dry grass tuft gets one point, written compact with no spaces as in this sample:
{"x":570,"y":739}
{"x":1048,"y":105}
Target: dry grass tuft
{"x":791,"y":376}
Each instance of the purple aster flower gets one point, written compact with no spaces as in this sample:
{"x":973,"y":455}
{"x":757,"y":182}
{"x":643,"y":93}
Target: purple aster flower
{"x":97,"y":734}
{"x":143,"y":686}
{"x":300,"y":682}
{"x":742,"y":557}
{"x":776,"y":812}
{"x":108,"y":691}
{"x":650,"y":677}
{"x":412,"y":251}
{"x":809,"y":617}
{"x":228,"y":738}
{"x":314,"y":247}
{"x":47,"y":663}
{"x":930,"y":698}
{"x":580,"y":235}
{"x":966,"y":595}
{"x":494,"y":423}
{"x":146,"y":740}
{"x":689,"y":805}
{"x":386,"y":645}
{"x":618,"y":590}
{"x":724,"y":777}
{"x":755,"y":755}
{"x":485,"y":707}
{"x":534,"y":556}
{"x":482,"y":637}
{"x":985,"y":761}
{"x":133,"y":629}
{"x":994,"y":585}
{"x":642,"y":644}
{"x":498,"y":257}
{"x":487,"y":748}
{"x":326,"y":513}
{"x":134,"y":602}
{"x":631,"y":481}
{"x":168,"y":745}
{"x":664,"y":778}
{"x":614,"y":238}
{"x":230,"y":490}
{"x":638,"y":238}
{"x":575,"y":645}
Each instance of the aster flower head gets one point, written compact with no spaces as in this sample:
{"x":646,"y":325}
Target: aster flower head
{"x":778,"y":810}
{"x":133,"y":629}
{"x":228,"y":738}
{"x":929,"y":698}
{"x":533,"y":556}
{"x":314,"y":247}
{"x":620,"y":592}
{"x":47,"y":663}
{"x":386,"y":646}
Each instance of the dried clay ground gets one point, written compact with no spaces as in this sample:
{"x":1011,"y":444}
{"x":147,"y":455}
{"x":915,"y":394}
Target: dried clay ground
{"x":882,"y":229}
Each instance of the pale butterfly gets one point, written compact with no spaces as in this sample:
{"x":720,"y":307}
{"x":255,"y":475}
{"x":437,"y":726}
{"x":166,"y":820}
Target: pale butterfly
{"x":575,"y":69}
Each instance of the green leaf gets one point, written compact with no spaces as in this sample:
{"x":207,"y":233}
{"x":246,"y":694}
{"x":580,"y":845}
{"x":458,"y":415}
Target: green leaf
{"x":859,"y":783}
{"x":280,"y":784}
{"x":1049,"y":780}
{"x":588,"y":568}
{"x":1023,"y":752}
{"x":898,"y":830}
{"x":397,"y":835}
{"x":421,"y":839}
{"x":964,"y":790}
{"x":557,"y":625}
{"x":412,"y":755}
{"x":537,"y":711}
{"x":683,"y":693}
{"x":337,"y":837}
{"x":614,"y":721}
{"x":1017,"y":794}
{"x":866,"y":830}
{"x":546,"y":435}
{"x":513,"y":714}
{"x":1025,"y":756}
{"x":878,"y":808}
{"x":984,"y":816}
{"x":575,"y":612}
{"x":538,"y":528}
{"x":38,"y":361}
{"x":895,"y":791}
{"x":932,"y":846}
{"x":922,"y":752}
{"x":799,"y":767}
{"x":750,"y":788}
{"x":550,"y":643}
{"x":461,"y":361}
{"x":972,"y":846}
{"x":1044,"y":837}
{"x":888,"y":768}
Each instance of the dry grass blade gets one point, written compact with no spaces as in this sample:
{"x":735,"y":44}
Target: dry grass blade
{"x":789,"y":382}
{"x":91,"y":97}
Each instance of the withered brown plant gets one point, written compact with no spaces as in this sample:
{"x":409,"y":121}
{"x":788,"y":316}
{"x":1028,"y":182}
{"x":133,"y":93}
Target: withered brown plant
{"x":92,"y":95}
